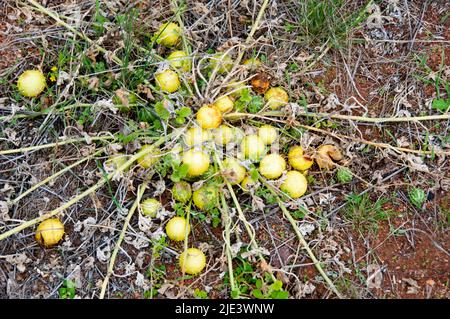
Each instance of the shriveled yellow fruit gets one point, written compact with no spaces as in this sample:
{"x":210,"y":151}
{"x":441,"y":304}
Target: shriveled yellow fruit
{"x":326,"y":154}
{"x":252,"y":63}
{"x":224,"y":104}
{"x":268,"y":134}
{"x":272,"y":166}
{"x":168,"y":80}
{"x":179,"y":60}
{"x":181,"y":191}
{"x":233,"y":171}
{"x":222,"y":62}
{"x":276,"y":97}
{"x":197,"y":162}
{"x":196,"y":136}
{"x":253,"y":147}
{"x":223,"y":135}
{"x":208,"y":116}
{"x":49,"y":232}
{"x":177,"y":228}
{"x":295,"y":184}
{"x":248,"y":182}
{"x":192,"y":261}
{"x":150,"y":207}
{"x":168,"y":34}
{"x":31,"y":83}
{"x":151,"y":158}
{"x":298,"y":160}
{"x":117,"y":160}
{"x":205,"y":197}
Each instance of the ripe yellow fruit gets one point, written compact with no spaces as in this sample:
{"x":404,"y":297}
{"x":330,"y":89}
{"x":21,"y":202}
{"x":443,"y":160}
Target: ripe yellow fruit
{"x":233,"y":171}
{"x":197,"y":162}
{"x":223,"y":135}
{"x":179,"y":60}
{"x":205,"y":197}
{"x":192,"y":261}
{"x":168,"y":34}
{"x":272,"y":166}
{"x":248,"y":182}
{"x":222,"y":62}
{"x":209,"y":116}
{"x":147,"y":160}
{"x":181,"y":191}
{"x":49,"y":232}
{"x":224,"y":104}
{"x":253,"y":147}
{"x":298,"y":160}
{"x":295,"y":184}
{"x":168,"y":81}
{"x":276,"y":97}
{"x":196,"y":136}
{"x":268,"y":134}
{"x":150,"y":207}
{"x":252,"y":63}
{"x":177,"y":228}
{"x":31,"y":83}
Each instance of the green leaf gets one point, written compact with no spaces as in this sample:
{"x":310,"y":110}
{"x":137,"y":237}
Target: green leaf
{"x":417,"y":197}
{"x":441,"y":105}
{"x":184,"y":111}
{"x":235,"y":294}
{"x":257,"y":294}
{"x":162,"y":111}
{"x":277,"y":285}
{"x":258,"y":283}
{"x":279,"y":295}
{"x":256,"y":104}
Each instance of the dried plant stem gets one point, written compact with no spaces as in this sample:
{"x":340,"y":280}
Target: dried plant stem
{"x":302,"y":240}
{"x":63,"y":142}
{"x":141,"y":191}
{"x":56,"y":17}
{"x":437,"y":117}
{"x":233,"y":116}
{"x":54,"y":176}
{"x":87,"y":192}
{"x":247,"y":225}
{"x":226,"y":220}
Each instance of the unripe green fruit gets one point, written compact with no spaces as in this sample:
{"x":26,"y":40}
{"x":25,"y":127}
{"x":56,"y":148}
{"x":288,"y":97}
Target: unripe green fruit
{"x":182,"y":192}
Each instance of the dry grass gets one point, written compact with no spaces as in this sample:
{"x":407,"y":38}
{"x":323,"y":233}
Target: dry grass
{"x":352,"y":64}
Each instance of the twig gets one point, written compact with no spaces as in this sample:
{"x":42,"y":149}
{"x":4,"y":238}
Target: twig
{"x":54,"y":176}
{"x":87,"y":192}
{"x":63,"y":142}
{"x":141,"y":191}
{"x":340,"y":136}
{"x":302,"y":240}
{"x":227,"y":222}
{"x":346,"y":117}
{"x":56,"y":17}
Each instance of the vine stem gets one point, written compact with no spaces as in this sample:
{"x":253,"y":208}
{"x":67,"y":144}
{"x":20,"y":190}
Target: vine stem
{"x":227,"y":222}
{"x":54,"y":176}
{"x":248,"y":228}
{"x":377,"y":120}
{"x":302,"y":240}
{"x":56,"y":17}
{"x":141,"y":191}
{"x":87,"y":192}
{"x":336,"y":135}
{"x":59,"y":143}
